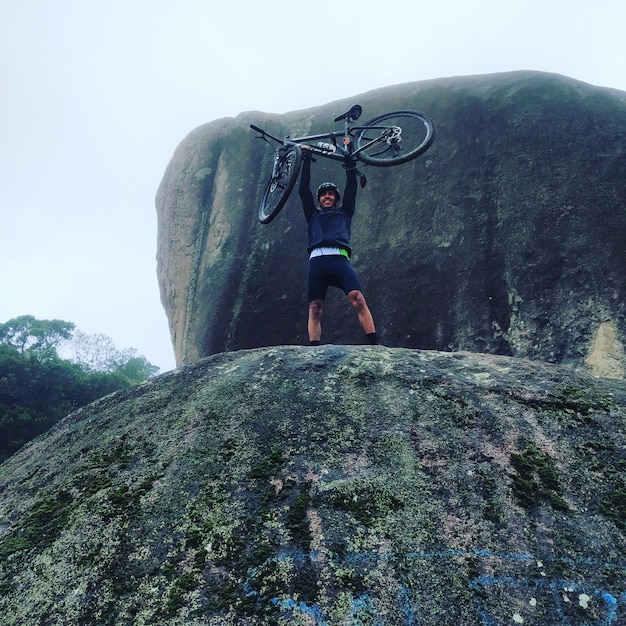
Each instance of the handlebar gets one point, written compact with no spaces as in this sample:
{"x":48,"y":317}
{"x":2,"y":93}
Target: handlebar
{"x":265,"y":133}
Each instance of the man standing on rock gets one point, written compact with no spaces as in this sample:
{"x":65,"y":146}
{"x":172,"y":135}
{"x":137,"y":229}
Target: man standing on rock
{"x":329,"y":249}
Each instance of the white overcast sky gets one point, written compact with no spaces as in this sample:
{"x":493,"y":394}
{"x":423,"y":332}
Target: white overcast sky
{"x":95,"y":95}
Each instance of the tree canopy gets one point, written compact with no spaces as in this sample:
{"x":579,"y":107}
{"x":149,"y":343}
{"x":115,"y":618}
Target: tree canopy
{"x":38,"y":387}
{"x":28,"y":333}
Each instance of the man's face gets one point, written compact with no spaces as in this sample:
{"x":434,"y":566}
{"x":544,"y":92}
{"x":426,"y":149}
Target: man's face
{"x":328,"y":199}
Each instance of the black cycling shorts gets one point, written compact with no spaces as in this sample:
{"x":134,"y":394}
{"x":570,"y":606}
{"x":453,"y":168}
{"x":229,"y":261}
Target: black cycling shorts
{"x":330,"y":271}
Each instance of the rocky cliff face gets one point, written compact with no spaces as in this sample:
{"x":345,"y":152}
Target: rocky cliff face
{"x":506,"y":237}
{"x":331,"y":486}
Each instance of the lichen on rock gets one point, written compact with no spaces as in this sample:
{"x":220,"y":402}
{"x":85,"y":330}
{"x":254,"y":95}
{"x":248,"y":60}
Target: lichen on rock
{"x":329,"y":485}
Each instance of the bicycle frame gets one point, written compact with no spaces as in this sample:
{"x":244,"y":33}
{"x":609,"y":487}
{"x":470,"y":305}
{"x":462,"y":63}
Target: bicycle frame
{"x":340,"y":152}
{"x":306,"y":142}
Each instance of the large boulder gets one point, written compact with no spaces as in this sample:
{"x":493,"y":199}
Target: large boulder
{"x":331,"y":486}
{"x":506,"y":237}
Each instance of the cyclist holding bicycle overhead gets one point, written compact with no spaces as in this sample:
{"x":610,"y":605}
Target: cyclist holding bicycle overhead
{"x":329,"y":248}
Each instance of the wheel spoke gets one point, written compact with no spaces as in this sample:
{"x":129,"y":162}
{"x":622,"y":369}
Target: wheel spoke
{"x":394,"y":138}
{"x":279,"y":186}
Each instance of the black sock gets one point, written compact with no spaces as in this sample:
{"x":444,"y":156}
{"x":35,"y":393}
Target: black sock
{"x":315,"y":342}
{"x":372,"y":338}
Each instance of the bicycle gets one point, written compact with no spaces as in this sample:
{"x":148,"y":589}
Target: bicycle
{"x":389,"y":139}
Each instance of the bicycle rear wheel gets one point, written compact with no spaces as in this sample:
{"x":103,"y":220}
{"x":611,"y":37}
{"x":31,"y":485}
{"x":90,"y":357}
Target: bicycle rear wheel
{"x":394,"y":138}
{"x":280,"y":185}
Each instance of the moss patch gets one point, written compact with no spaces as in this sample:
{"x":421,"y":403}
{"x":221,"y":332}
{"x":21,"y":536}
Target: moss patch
{"x":613,"y":506}
{"x":536,"y":480}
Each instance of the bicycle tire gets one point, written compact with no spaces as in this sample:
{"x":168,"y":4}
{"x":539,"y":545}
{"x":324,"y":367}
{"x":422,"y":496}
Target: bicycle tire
{"x":279,"y":187}
{"x":416,"y":136}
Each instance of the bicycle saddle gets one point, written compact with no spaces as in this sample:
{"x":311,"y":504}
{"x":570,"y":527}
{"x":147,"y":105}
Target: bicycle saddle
{"x":353,"y":114}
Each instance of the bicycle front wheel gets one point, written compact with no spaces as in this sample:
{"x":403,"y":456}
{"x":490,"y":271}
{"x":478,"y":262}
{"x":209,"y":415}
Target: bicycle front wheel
{"x":280,"y":184}
{"x":394,"y":138}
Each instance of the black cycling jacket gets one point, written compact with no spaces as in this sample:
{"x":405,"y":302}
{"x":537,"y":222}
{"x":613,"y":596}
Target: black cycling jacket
{"x":329,"y":227}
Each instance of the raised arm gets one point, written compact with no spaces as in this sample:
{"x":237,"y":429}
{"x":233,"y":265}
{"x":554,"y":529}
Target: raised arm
{"x":349,"y":193}
{"x":306,"y":195}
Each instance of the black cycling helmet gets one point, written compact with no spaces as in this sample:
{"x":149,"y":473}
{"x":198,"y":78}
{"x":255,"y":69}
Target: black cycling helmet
{"x":325,"y":186}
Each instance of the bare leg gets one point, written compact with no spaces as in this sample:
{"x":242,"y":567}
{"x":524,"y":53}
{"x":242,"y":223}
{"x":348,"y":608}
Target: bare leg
{"x":316,"y":308}
{"x":357,"y":300}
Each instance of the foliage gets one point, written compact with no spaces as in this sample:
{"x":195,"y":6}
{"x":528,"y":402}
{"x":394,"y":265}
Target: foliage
{"x":98,"y":353}
{"x":27,"y":333}
{"x":38,"y":387}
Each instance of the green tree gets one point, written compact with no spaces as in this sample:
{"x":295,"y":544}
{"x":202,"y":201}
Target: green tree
{"x":28,"y":333}
{"x":38,"y":387}
{"x":136,"y":369}
{"x":98,"y":353}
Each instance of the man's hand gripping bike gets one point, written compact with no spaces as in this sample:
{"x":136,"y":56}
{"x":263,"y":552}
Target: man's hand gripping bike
{"x":388,"y":139}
